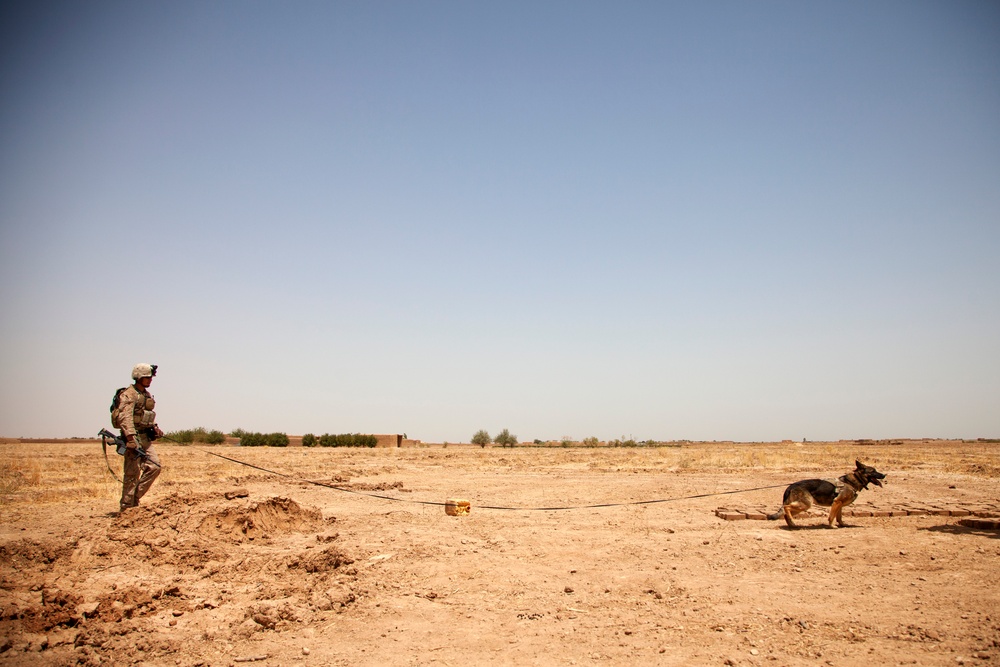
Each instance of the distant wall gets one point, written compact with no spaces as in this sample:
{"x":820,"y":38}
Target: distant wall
{"x":391,"y":440}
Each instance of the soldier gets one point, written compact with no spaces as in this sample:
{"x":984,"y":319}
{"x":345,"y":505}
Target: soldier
{"x":137,"y":421}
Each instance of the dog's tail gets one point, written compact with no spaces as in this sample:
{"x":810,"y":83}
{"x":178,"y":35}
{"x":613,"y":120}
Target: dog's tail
{"x":781,"y":510}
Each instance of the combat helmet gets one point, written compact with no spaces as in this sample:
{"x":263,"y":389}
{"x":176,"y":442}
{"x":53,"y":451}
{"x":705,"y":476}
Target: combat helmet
{"x":143,"y":371}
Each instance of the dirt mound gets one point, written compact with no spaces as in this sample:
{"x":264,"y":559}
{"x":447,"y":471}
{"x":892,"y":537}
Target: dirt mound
{"x":205,"y":522}
{"x":263,"y":519}
{"x":196,"y":530}
{"x":215,"y":516}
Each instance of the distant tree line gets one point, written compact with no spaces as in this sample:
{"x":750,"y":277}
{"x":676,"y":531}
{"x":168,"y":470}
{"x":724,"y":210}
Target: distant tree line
{"x":193,"y":435}
{"x":504,"y":438}
{"x":339,"y":440}
{"x":248,"y":439}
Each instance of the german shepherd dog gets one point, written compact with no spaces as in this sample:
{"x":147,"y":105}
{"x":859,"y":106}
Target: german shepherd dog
{"x":835,"y":494}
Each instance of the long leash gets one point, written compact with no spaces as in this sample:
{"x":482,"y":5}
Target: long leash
{"x":484,"y":507}
{"x":104,"y":446}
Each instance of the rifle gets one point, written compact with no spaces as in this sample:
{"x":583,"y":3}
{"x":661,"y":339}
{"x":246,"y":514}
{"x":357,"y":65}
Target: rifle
{"x":121,"y":446}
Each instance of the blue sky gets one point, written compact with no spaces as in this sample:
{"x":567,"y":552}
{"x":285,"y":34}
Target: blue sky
{"x":723,"y":220}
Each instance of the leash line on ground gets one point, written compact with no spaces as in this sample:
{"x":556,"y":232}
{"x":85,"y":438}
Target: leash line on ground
{"x":485,"y":507}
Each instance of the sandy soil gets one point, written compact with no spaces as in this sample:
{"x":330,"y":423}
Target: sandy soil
{"x":291,"y":573}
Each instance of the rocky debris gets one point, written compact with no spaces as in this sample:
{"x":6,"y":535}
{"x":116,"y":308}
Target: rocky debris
{"x":326,"y":560}
{"x":25,"y":551}
{"x":326,"y":538}
{"x":335,"y":599}
{"x":270,"y":613}
{"x":380,"y":486}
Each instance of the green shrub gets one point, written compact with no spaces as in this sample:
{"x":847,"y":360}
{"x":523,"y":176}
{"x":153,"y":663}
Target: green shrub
{"x":347,"y":440}
{"x":505,"y":439}
{"x":309,"y":440}
{"x":215,"y":438}
{"x":183,"y":437}
{"x":481,"y":438}
{"x":591,"y":442}
{"x":199,"y":434}
{"x":277,"y":440}
{"x":248,"y":439}
{"x":263,"y":440}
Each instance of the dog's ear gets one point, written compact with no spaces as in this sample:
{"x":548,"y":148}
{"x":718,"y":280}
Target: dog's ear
{"x":859,"y":465}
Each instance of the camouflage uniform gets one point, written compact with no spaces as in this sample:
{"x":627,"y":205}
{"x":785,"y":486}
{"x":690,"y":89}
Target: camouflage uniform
{"x":135,"y":417}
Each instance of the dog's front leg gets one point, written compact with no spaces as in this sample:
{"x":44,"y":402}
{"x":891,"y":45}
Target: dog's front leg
{"x":835,"y":513}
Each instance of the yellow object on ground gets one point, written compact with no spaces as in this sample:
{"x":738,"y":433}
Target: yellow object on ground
{"x":457,"y":507}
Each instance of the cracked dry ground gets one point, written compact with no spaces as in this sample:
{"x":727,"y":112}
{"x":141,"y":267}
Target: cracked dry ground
{"x":297,"y":574}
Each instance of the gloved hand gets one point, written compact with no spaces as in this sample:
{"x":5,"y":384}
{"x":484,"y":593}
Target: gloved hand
{"x":130,"y":442}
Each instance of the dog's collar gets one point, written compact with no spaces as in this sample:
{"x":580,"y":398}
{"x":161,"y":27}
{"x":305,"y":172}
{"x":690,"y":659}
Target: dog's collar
{"x":853,"y":481}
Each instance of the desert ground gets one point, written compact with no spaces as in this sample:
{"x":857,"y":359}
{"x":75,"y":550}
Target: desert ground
{"x":602,"y":556}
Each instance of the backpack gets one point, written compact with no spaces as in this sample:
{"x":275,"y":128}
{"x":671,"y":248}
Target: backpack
{"x":114,"y":407}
